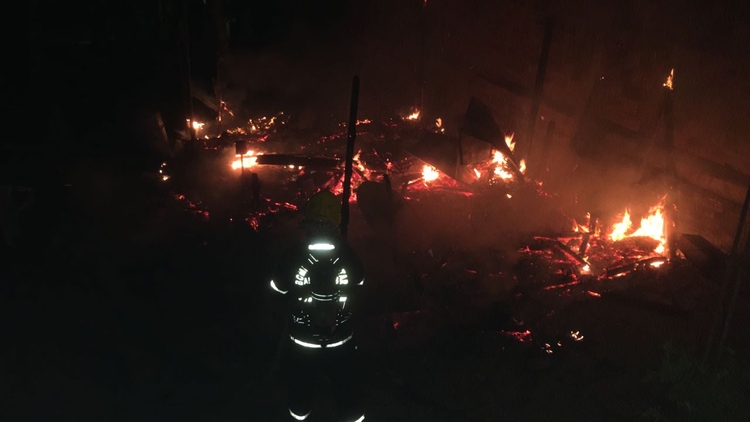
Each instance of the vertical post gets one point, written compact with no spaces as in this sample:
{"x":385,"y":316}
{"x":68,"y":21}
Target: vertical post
{"x":460,"y":148}
{"x":186,"y":37}
{"x":352,"y":136}
{"x":389,"y":196}
{"x":539,"y":84}
{"x":670,"y":169}
{"x":733,"y":272}
{"x":541,"y":166}
{"x":221,"y":48}
{"x":423,"y":65}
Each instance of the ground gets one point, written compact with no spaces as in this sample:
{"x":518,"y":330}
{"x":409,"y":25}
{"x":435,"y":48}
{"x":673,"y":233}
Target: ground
{"x":132,"y":308}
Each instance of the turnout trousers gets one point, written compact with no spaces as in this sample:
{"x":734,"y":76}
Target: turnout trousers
{"x":339,"y":364}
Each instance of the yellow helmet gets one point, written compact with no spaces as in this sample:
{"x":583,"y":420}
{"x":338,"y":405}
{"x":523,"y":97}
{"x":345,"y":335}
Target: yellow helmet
{"x":323,"y":207}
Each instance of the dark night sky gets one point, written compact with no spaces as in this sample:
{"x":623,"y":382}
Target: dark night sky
{"x":85,"y":54}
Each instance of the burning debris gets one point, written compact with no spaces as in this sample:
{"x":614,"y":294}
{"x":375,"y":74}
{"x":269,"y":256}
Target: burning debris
{"x":499,"y":168}
{"x":245,"y":161}
{"x":669,"y":82}
{"x":652,"y":226}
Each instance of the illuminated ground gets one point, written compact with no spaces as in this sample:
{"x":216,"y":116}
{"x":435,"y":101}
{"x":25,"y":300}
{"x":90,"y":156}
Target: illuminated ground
{"x":138,"y":310}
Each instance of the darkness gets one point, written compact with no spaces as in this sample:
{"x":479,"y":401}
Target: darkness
{"x":129,"y":297}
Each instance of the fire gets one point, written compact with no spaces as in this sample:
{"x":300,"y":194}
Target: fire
{"x":195,"y":125}
{"x":477,"y":173}
{"x":439,"y":125}
{"x":522,"y":166}
{"x":413,"y":116}
{"x":510,"y":142}
{"x":361,"y":167}
{"x":501,"y":169}
{"x":247,"y":160}
{"x":619,"y":229}
{"x":651,"y":226}
{"x":668,"y":84}
{"x":429,"y":173}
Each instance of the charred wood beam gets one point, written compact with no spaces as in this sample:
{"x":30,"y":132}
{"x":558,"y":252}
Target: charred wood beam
{"x":644,"y":263}
{"x":707,"y":259}
{"x":349,"y":164}
{"x":543,"y":165}
{"x":539,"y":84}
{"x":522,"y":91}
{"x":566,"y":249}
{"x":295,"y":160}
{"x":735,"y":271}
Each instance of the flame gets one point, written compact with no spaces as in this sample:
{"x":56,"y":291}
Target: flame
{"x":501,"y":169}
{"x":247,"y":160}
{"x":195,"y":125}
{"x":651,"y":226}
{"x":356,"y":160}
{"x":477,"y":173}
{"x":522,"y":166}
{"x":576,"y":335}
{"x":619,"y":229}
{"x":429,"y":173}
{"x":669,"y":82}
{"x":414,"y":115}
{"x":224,"y":109}
{"x":510,"y":142}
{"x":439,"y":125}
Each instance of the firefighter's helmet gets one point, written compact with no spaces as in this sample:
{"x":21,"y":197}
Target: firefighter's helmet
{"x":323,"y":208}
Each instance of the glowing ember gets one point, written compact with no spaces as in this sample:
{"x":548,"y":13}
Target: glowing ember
{"x":247,"y":160}
{"x":521,"y":336}
{"x":413,"y":116}
{"x":670,"y":79}
{"x":657,"y":264}
{"x":576,"y":335}
{"x":429,"y":173}
{"x":651,"y":226}
{"x":510,"y":142}
{"x":522,"y":166}
{"x":478,"y":174}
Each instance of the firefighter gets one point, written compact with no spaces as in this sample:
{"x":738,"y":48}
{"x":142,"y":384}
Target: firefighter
{"x":321,"y":279}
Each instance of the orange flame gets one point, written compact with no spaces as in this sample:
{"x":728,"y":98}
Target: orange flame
{"x":651,"y":226}
{"x":670,"y":79}
{"x":413,"y":116}
{"x":500,"y":168}
{"x":194,"y":124}
{"x":522,"y":166}
{"x":429,"y":173}
{"x":510,"y":142}
{"x":247,"y":160}
{"x":439,"y":125}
